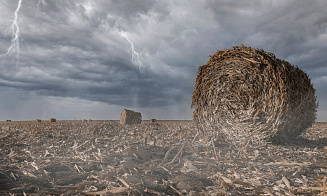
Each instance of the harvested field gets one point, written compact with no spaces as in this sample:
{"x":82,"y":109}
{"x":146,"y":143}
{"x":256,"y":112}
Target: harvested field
{"x":161,"y":158}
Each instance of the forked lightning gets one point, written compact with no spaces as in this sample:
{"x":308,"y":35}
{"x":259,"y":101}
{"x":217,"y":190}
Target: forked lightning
{"x":134,"y":53}
{"x":15,"y":35}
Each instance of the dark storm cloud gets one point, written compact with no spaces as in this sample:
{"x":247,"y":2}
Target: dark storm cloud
{"x":76,"y":49}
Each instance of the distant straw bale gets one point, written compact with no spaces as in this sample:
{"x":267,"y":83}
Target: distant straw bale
{"x":249,"y":94}
{"x":38,"y":120}
{"x":130,"y":117}
{"x":53,"y":120}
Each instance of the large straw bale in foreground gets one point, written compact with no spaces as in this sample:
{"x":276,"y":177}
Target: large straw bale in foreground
{"x":130,"y":117}
{"x":248,"y":94}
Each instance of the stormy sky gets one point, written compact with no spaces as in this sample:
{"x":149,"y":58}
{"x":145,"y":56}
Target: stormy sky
{"x":76,"y":62}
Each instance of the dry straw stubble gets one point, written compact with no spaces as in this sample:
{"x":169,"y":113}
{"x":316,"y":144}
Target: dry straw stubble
{"x":248,"y":94}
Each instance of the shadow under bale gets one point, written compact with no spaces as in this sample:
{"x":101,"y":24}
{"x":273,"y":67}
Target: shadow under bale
{"x":249,"y":95}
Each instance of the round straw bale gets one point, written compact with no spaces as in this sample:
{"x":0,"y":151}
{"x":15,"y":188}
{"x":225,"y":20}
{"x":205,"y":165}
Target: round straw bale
{"x":249,"y":94}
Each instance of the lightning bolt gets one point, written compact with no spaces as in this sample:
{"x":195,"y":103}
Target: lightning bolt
{"x":15,"y":35}
{"x":134,"y":53}
{"x":38,"y":5}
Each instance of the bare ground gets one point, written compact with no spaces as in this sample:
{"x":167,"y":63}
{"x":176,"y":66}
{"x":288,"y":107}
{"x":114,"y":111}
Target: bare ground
{"x":163,"y":158}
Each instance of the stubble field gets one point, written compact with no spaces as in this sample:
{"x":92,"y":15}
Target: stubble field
{"x":162,"y":158}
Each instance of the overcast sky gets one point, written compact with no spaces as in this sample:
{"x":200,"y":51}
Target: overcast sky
{"x":76,"y":61}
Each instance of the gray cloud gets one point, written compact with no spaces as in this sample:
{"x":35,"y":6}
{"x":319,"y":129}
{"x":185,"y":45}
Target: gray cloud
{"x":74,"y":50}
